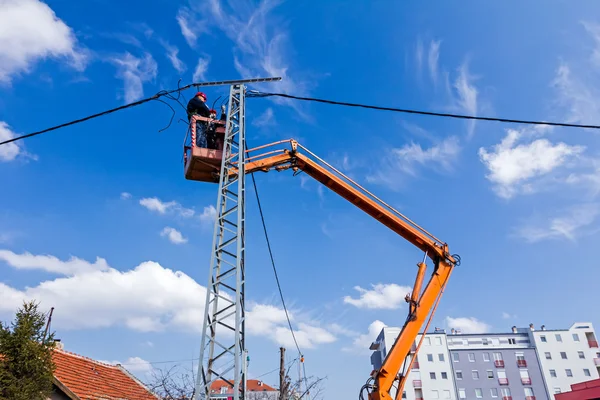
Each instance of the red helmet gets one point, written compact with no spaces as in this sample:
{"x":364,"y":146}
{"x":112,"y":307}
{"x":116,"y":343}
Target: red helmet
{"x":201,"y":94}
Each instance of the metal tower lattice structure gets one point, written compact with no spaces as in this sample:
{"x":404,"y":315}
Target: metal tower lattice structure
{"x":222,"y":351}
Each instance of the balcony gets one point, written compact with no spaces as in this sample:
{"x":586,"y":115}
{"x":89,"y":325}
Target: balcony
{"x":597,"y":361}
{"x":526,"y":381}
{"x":592,"y":343}
{"x":506,"y":397}
{"x":417,"y":383}
{"x":521,"y":363}
{"x":413,"y":348}
{"x":503,"y":381}
{"x":529,"y":397}
{"x":415,"y":365}
{"x":499,"y":363}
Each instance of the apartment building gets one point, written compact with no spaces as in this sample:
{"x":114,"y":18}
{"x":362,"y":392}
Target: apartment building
{"x":523,"y":364}
{"x":488,"y":366}
{"x":431,"y":374}
{"x":567,"y":356}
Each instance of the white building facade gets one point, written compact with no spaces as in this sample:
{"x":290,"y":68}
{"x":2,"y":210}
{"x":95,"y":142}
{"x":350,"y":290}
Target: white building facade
{"x":431,"y":374}
{"x":566,"y":356}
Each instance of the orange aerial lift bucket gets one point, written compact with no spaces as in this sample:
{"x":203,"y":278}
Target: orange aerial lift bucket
{"x":201,"y":163}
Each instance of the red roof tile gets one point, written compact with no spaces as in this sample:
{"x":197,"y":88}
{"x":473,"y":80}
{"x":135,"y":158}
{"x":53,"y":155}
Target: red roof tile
{"x":252,"y":385}
{"x":91,"y":380}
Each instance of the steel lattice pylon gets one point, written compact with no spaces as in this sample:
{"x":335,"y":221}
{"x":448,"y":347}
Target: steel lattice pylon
{"x":222,"y":355}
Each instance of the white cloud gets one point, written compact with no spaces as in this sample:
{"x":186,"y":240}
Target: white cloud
{"x":506,"y":315}
{"x":201,"y":69}
{"x":406,"y":159}
{"x":573,"y":223}
{"x":467,"y":95}
{"x":382,"y":296}
{"x":133,"y":364}
{"x":125,"y":196}
{"x":155,"y":204}
{"x":9,"y":151}
{"x":361,"y":343}
{"x":148,"y":298}
{"x":173,"y":235}
{"x":32,"y":32}
{"x":189,"y":29}
{"x":173,"y":56}
{"x":419,"y":55}
{"x":134,"y":72}
{"x":512,"y":166}
{"x":209,"y":214}
{"x":267,"y":118}
{"x":432,"y":60}
{"x":28,"y":261}
{"x":468,"y":325}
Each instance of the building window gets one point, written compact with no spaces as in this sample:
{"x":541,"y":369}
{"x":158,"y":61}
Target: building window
{"x":484,"y":342}
{"x":558,"y":337}
{"x":430,"y":357}
{"x":586,"y":372}
{"x":494,"y":392}
{"x":475,"y":374}
{"x":223,"y":389}
{"x":490,"y":374}
{"x":543,"y":338}
{"x":447,"y":394}
{"x":462,"y":394}
{"x":444,"y":375}
{"x":496,"y":341}
{"x":563,"y":355}
{"x":505,"y":392}
{"x":427,"y":341}
{"x":472,"y":357}
{"x":528,"y":392}
{"x":524,"y":374}
{"x":435,"y":394}
{"x":553,"y":373}
{"x":478,"y":393}
{"x":465,"y":342}
{"x":432,"y":375}
{"x":557,"y":390}
{"x":441,"y":357}
{"x":497,"y":356}
{"x":458,"y":374}
{"x":581,"y":355}
{"x":576,"y":337}
{"x":486,"y":356}
{"x":438,"y":341}
{"x":512,"y":341}
{"x":455,"y":357}
{"x":548,"y":355}
{"x":520,"y":356}
{"x":569,"y":372}
{"x":404,"y":394}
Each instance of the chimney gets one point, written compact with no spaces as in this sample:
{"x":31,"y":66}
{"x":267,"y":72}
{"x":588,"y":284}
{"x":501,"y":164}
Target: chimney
{"x":543,"y":327}
{"x":531,"y":327}
{"x":514,"y":329}
{"x":59,"y":344}
{"x":452,"y":331}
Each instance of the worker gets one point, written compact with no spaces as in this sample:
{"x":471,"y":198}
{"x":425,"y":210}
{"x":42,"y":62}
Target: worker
{"x":197,"y":106}
{"x":211,"y":134}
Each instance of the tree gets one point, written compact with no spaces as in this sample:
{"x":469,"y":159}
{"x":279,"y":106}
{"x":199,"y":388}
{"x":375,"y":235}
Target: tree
{"x":26,"y":367}
{"x":172,"y":383}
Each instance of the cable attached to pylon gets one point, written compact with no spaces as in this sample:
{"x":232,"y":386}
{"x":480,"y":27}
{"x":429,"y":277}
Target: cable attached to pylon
{"x":262,"y":217}
{"x":430,"y":113}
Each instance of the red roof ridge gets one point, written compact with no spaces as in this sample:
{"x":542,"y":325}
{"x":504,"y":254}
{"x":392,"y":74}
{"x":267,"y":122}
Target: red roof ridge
{"x":70,"y":353}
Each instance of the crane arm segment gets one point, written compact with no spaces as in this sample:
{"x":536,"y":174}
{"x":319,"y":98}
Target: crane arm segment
{"x":421,"y":305}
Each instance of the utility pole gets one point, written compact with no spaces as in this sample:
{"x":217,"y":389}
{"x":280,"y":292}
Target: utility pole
{"x":282,"y":388}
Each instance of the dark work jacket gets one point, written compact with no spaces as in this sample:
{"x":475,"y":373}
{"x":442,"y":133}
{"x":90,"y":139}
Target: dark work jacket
{"x":197,"y":106}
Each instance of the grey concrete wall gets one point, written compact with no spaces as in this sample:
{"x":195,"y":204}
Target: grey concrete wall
{"x":510,"y":367}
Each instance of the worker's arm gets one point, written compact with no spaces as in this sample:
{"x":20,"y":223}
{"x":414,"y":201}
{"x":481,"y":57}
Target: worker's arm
{"x":421,"y":304}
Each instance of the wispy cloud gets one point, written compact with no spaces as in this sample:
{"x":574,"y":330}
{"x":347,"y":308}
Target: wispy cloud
{"x":267,"y":118}
{"x":577,"y":221}
{"x":432,"y":60}
{"x":514,"y":167}
{"x":11,"y":151}
{"x":173,"y":235}
{"x":201,"y":69}
{"x":31,"y":32}
{"x":159,"y":206}
{"x":466,"y":95}
{"x":173,"y":56}
{"x":73,"y":266}
{"x":125,"y":196}
{"x":134,"y":72}
{"x":381,"y":296}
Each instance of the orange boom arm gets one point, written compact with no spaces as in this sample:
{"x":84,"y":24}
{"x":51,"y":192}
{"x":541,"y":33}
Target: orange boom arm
{"x":422,"y":304}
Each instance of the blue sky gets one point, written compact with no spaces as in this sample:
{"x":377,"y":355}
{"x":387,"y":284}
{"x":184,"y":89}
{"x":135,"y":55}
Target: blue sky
{"x":98,"y":221}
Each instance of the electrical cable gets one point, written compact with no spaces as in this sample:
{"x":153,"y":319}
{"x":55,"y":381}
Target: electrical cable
{"x":430,"y":113}
{"x":273,"y":264}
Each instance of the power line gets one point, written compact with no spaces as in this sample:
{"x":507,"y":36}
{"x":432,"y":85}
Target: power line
{"x":139,"y":102}
{"x":273,"y":264}
{"x":430,"y":113}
